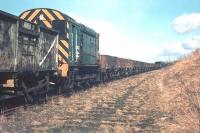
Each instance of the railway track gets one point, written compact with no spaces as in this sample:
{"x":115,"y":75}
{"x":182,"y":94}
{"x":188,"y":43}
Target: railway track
{"x":10,"y":111}
{"x":9,"y":107}
{"x":11,"y":104}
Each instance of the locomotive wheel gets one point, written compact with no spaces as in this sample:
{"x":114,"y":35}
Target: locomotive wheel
{"x":63,"y":84}
{"x":59,"y":84}
{"x":69,"y":86}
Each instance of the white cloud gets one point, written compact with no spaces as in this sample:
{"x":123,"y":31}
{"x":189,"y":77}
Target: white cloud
{"x":183,"y":24}
{"x":173,"y":49}
{"x":180,"y":48}
{"x":186,"y":23}
{"x":191,"y":43}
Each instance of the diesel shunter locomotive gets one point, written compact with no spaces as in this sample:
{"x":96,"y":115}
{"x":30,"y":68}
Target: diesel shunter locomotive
{"x":44,"y":46}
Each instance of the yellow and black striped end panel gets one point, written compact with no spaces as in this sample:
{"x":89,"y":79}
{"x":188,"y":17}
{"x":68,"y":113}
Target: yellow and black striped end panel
{"x":63,"y":52}
{"x":43,"y":14}
{"x":46,"y":16}
{"x":23,"y":16}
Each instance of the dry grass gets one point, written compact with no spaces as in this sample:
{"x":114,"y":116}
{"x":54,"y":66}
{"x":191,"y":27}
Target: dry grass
{"x":181,"y":96}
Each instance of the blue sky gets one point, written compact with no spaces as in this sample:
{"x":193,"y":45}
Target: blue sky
{"x":147,"y":30}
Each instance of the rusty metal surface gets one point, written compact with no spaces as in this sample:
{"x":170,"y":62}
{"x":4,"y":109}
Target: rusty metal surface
{"x":21,"y":49}
{"x":36,"y":52}
{"x":26,"y":51}
{"x":8,"y":42}
{"x":108,"y":62}
{"x":46,"y":51}
{"x":111,"y":62}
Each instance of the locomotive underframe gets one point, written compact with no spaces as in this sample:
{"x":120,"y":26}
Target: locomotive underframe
{"x":83,"y":76}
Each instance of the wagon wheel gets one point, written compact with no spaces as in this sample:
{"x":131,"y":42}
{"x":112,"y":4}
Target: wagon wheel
{"x":27,"y":96}
{"x":46,"y":88}
{"x":67,"y":85}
